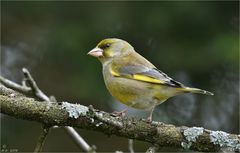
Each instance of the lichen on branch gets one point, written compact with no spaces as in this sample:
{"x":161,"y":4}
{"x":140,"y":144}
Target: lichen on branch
{"x":76,"y":115}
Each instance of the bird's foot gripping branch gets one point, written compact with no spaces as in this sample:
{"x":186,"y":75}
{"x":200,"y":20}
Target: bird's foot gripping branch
{"x":51,"y":113}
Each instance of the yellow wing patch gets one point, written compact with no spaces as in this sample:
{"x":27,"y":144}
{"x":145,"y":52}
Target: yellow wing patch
{"x":114,"y":73}
{"x":147,"y":79}
{"x":138,"y":77}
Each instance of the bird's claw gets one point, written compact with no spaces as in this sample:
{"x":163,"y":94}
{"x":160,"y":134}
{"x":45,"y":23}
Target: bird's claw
{"x":149,"y":119}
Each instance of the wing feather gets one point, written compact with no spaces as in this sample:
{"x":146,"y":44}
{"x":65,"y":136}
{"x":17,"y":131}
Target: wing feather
{"x":145,"y":74}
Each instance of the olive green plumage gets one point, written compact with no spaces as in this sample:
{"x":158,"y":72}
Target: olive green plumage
{"x":132,"y":79}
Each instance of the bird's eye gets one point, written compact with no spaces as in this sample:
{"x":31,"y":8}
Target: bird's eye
{"x":104,"y":46}
{"x":107,"y":45}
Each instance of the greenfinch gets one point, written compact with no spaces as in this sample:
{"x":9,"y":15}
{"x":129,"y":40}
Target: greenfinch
{"x":132,"y":79}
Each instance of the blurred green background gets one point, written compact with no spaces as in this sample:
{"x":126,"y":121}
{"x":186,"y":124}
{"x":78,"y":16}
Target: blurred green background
{"x":196,"y":43}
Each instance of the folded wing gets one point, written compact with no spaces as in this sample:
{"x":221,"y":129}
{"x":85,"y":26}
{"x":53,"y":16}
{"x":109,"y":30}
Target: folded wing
{"x":145,"y":74}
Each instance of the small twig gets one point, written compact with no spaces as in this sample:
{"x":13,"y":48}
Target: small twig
{"x":12,"y":85}
{"x":24,"y":83}
{"x":34,"y":86}
{"x":41,"y":139}
{"x":130,"y":145}
{"x":152,"y":149}
{"x":78,"y":139}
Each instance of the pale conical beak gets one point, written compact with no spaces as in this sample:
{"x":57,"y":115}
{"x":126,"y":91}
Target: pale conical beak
{"x":96,"y":52}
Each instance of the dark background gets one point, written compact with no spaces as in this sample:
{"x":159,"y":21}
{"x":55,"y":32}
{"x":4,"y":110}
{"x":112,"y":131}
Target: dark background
{"x":196,"y":43}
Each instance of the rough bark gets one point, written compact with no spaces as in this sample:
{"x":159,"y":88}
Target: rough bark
{"x":75,"y":115}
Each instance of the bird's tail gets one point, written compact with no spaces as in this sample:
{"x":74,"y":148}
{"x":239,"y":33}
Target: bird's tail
{"x":196,"y":90}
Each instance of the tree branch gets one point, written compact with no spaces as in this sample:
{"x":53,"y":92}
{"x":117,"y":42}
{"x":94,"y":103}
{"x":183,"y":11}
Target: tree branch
{"x":75,"y":115}
{"x":34,"y":91}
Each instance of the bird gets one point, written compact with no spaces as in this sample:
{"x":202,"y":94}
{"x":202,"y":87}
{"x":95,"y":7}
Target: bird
{"x":133,"y":80}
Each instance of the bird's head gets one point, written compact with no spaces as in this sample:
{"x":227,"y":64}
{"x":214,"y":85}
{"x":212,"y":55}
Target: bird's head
{"x":110,"y":48}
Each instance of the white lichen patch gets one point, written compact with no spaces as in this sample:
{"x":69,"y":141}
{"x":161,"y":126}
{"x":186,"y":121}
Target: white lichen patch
{"x":100,"y":115}
{"x":92,"y":120}
{"x":218,"y":137}
{"x":74,"y":110}
{"x":12,"y":95}
{"x":191,"y":135}
{"x":98,"y":124}
{"x":186,"y":145}
{"x":224,"y":141}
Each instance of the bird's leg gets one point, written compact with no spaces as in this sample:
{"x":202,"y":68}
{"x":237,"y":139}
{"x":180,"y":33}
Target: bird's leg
{"x":122,"y":113}
{"x":149,"y":119}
